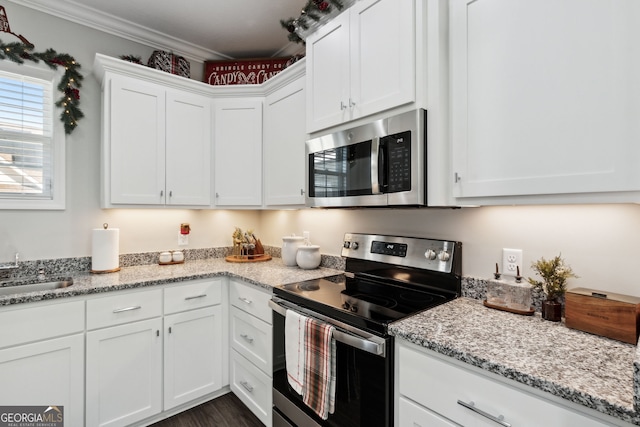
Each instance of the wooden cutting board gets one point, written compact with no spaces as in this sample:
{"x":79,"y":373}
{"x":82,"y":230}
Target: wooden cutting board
{"x":254,"y":258}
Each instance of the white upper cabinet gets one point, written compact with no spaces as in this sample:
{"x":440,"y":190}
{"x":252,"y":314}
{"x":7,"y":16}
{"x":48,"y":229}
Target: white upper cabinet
{"x":284,"y":144}
{"x":156,"y":142}
{"x":545,"y":100}
{"x":133,"y":142}
{"x":238,"y":152}
{"x":361,"y":62}
{"x":188,"y":149}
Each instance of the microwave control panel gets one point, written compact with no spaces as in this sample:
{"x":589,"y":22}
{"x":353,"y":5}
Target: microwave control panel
{"x":398,"y":148}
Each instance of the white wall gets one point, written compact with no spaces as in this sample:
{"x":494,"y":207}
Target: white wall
{"x":599,"y":242}
{"x":61,"y":234}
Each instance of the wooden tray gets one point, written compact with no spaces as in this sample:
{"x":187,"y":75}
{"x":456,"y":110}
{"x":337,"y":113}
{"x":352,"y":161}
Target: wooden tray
{"x":245,"y":258}
{"x":171,"y":262}
{"x":510,"y":310}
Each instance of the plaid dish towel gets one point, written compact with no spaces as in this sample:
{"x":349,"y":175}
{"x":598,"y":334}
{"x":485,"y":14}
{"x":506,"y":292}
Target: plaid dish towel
{"x":320,"y":368}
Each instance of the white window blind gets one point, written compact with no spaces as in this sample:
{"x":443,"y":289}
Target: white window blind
{"x":26,"y":137}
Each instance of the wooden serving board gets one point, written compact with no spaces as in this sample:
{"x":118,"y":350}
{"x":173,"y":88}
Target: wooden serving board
{"x":245,"y":258}
{"x":510,"y":310}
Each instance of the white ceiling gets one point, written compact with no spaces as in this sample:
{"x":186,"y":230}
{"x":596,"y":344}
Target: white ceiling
{"x":197,"y":29}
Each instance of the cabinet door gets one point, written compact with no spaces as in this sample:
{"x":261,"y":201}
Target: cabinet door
{"x":134,"y":152}
{"x":383,"y":59}
{"x":328,"y":74}
{"x":46,"y":373}
{"x":238,"y":152}
{"x":192,"y":355}
{"x":284,"y":145}
{"x":188,"y":149}
{"x":124,"y":373}
{"x":545,"y":96}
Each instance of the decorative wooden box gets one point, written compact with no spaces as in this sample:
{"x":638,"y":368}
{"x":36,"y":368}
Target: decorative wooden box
{"x":242,"y":71}
{"x":603,"y":313}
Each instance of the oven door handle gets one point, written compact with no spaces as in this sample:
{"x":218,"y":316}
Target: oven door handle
{"x":352,"y":340}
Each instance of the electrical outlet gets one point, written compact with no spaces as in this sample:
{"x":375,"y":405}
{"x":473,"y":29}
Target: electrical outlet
{"x":183,"y":239}
{"x":511,"y":261}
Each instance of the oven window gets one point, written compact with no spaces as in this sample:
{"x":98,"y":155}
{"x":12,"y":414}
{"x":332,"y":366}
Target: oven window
{"x":364,"y":386}
{"x":342,"y":171}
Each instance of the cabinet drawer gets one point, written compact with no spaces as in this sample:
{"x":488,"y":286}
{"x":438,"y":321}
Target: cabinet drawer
{"x":413,"y":415}
{"x":438,"y":385}
{"x":251,"y":299}
{"x":252,"y":386}
{"x":251,"y":337}
{"x":37,"y":322}
{"x":123,"y":308}
{"x":192,"y":294}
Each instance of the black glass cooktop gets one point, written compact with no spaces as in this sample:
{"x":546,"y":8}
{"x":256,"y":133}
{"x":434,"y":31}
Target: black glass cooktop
{"x":366,"y":304}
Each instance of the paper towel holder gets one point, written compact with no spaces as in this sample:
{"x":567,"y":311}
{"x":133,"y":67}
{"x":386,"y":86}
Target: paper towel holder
{"x":105,"y":226}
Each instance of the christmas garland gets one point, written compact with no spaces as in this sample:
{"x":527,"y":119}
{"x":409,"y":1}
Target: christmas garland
{"x":312,"y":11}
{"x":69,"y":84}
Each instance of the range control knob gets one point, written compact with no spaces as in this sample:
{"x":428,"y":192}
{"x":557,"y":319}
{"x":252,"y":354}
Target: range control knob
{"x":430,"y":254}
{"x":346,"y":244}
{"x":444,"y":256}
{"x":354,"y":245}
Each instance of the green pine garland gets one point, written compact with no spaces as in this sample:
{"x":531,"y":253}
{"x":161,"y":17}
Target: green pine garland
{"x":69,"y":84}
{"x":312,"y":11}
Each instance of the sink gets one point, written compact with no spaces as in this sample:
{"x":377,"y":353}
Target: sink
{"x":35,"y":287}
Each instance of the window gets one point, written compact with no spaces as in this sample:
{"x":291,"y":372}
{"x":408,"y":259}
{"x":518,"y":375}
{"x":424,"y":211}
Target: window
{"x":31,"y":139}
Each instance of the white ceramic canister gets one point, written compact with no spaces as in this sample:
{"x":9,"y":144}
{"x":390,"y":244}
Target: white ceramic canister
{"x":164,"y":257}
{"x":308,"y":257}
{"x":290,"y":245}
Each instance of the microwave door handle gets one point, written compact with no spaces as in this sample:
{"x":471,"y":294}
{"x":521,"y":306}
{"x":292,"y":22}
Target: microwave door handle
{"x":375,"y":153}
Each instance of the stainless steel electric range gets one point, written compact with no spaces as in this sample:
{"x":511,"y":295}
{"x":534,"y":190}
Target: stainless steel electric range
{"x":386,"y":278}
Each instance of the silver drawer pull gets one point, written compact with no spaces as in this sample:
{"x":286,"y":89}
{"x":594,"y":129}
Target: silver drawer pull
{"x":195,"y":296}
{"x":244,"y":300}
{"x":471,"y":405}
{"x":247,"y":386}
{"x":135,"y":307}
{"x":247,"y":338}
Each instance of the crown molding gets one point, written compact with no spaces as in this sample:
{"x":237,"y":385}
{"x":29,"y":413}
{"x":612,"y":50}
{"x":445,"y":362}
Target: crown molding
{"x":83,"y":15}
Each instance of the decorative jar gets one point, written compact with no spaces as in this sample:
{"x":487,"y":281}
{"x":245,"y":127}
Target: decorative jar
{"x":290,"y":245}
{"x":308,"y":257}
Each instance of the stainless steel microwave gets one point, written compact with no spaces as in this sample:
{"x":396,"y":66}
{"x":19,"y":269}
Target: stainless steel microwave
{"x":381,"y":163}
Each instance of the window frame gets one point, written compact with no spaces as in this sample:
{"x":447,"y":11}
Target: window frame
{"x":57,"y":201}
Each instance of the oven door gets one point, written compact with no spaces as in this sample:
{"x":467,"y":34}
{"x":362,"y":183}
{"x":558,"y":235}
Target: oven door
{"x":364,"y":377}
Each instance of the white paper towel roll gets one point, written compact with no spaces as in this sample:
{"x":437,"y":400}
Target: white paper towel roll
{"x":105,"y":249}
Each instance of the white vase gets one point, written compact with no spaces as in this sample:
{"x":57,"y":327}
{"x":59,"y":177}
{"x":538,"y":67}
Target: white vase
{"x":290,"y":245}
{"x":308,"y":257}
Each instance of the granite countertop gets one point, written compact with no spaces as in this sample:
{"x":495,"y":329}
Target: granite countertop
{"x":265,"y":274}
{"x":583,"y":368}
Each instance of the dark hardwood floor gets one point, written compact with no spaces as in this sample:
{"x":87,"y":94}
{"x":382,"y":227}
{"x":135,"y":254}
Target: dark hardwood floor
{"x":225,"y":411}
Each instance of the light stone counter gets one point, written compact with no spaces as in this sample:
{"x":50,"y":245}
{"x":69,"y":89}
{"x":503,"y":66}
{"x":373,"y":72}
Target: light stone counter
{"x":265,"y":274}
{"x":583,"y":368}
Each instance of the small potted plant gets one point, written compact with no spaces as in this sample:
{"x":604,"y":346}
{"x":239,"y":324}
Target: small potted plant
{"x":554,"y":273}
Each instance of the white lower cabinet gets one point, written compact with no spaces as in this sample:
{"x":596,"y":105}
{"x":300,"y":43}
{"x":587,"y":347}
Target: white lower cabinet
{"x":152,"y":351}
{"x":124,"y":373}
{"x":192,"y":355}
{"x":251,"y":335}
{"x":42,"y":357}
{"x":435,"y":390}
